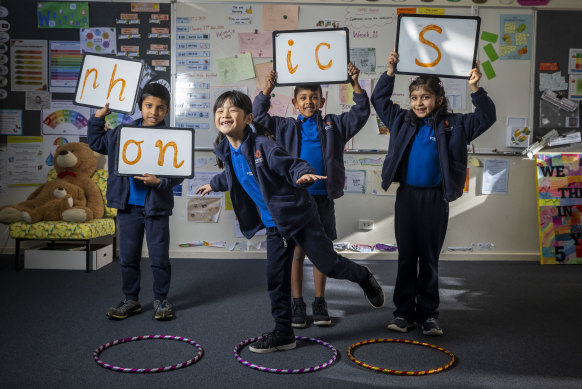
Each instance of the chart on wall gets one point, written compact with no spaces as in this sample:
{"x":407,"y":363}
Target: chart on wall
{"x":559,"y":188}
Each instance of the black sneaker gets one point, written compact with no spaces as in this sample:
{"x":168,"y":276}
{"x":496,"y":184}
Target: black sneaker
{"x":320,"y":315}
{"x":431,"y":327}
{"x":400,"y":324}
{"x":163,"y":310}
{"x":273,"y":341}
{"x":124,"y":309}
{"x":299,"y":319}
{"x":373,"y":290}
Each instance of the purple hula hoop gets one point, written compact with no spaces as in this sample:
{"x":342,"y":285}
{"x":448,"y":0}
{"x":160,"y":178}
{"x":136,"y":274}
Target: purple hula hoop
{"x":239,"y":346}
{"x":154,"y":370}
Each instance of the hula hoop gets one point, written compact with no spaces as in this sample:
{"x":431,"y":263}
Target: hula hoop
{"x":401,"y":372}
{"x":154,"y":370}
{"x":286,"y":371}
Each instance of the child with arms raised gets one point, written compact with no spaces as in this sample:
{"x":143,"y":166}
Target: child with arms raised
{"x":320,"y":141}
{"x":427,"y":154}
{"x":144,"y":203}
{"x":267,"y":190}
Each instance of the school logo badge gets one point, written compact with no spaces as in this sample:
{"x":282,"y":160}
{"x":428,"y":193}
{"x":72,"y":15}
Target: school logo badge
{"x":328,"y":126}
{"x":258,"y":157}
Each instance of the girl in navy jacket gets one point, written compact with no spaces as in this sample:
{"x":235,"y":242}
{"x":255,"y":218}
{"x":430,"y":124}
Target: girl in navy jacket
{"x":267,"y":188}
{"x":427,"y":154}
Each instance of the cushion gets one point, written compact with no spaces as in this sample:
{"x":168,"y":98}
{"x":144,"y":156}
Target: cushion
{"x":63,"y":230}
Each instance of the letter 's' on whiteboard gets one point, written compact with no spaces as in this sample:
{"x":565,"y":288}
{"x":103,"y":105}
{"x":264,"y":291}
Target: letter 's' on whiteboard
{"x":438,"y":45}
{"x":106,"y":79}
{"x":318,"y":56}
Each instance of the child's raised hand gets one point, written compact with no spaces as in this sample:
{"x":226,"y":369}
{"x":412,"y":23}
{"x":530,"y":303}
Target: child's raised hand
{"x":204,"y":190}
{"x":148,"y":179}
{"x":392,"y":61}
{"x":474,"y":77}
{"x":354,"y":73}
{"x":103,"y":111}
{"x":309,"y":178}
{"x":270,"y":82}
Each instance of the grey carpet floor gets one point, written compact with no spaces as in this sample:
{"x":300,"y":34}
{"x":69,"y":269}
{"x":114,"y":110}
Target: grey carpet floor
{"x":509,"y":324}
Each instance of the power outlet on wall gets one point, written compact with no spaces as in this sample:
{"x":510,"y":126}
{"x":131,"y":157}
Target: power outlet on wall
{"x":366,"y":225}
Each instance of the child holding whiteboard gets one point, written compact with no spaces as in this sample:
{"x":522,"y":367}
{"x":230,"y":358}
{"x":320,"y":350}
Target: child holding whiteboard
{"x":320,"y":141}
{"x":144,"y":203}
{"x":427,"y":154}
{"x":267,"y":188}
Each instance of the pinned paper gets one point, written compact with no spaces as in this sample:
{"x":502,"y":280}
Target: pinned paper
{"x":491,"y":53}
{"x":488,"y":69}
{"x":489,"y":37}
{"x":234,"y":69}
{"x":280,"y":17}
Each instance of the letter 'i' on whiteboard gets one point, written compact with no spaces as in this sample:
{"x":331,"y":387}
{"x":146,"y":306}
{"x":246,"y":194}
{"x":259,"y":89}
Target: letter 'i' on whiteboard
{"x":164,"y":152}
{"x":318,"y":56}
{"x":108,"y":80}
{"x":437,"y":45}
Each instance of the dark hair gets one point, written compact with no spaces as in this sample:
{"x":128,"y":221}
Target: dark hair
{"x":434,"y":85}
{"x":242,"y":101}
{"x":156,"y":90}
{"x":311,"y":87}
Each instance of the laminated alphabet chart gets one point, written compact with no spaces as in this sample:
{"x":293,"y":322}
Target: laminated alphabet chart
{"x":164,"y":152}
{"x":559,"y":188}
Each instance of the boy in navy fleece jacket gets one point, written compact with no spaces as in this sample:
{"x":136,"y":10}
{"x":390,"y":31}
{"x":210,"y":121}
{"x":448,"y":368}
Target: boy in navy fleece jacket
{"x":320,"y":141}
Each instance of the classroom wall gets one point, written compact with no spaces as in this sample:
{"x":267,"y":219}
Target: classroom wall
{"x":508,"y":221}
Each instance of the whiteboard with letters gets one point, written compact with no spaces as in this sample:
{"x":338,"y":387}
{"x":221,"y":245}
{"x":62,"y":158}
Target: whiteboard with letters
{"x":108,"y":80}
{"x":164,"y":152}
{"x":313,"y":56}
{"x":214,"y":28}
{"x":444,"y":46}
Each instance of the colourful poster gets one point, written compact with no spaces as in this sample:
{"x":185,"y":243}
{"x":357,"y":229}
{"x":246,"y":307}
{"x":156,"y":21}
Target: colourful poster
{"x":98,"y":40}
{"x":64,"y":118}
{"x":65,"y":66}
{"x":559,"y":188}
{"x":515,"y":32}
{"x":28,"y":60}
{"x":56,"y":14}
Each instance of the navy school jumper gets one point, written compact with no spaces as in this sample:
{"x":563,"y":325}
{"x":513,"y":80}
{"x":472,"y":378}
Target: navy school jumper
{"x":294,"y":213}
{"x":153,"y":217}
{"x":421,"y":214}
{"x":334,"y":132}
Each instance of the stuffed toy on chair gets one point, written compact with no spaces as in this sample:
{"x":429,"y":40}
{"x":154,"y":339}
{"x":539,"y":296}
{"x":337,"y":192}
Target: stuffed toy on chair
{"x":72,"y":197}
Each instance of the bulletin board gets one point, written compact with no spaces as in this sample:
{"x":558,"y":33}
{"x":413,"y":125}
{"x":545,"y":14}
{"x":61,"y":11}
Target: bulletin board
{"x":555,"y":38}
{"x":147,"y":38}
{"x":210,"y":34}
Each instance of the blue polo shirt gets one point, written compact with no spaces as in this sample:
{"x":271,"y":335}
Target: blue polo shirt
{"x":312,"y":153}
{"x":137,"y":190}
{"x":423,"y":161}
{"x":249,"y":183}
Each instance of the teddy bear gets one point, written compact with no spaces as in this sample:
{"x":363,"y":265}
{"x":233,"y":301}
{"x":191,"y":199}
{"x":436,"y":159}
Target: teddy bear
{"x":73,"y":196}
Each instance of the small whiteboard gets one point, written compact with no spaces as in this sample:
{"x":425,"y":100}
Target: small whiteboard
{"x":162,"y":151}
{"x":318,"y":56}
{"x":437,"y":45}
{"x":106,"y":79}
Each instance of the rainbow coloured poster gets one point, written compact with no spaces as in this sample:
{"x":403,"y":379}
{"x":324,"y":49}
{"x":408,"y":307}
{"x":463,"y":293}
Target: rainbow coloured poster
{"x":99,"y":40}
{"x":64,"y":118}
{"x":65,"y":65}
{"x":559,"y":188}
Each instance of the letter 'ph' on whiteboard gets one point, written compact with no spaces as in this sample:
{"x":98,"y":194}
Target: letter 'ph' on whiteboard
{"x":318,"y":56}
{"x":437,"y":45}
{"x":164,"y":152}
{"x":108,"y":80}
